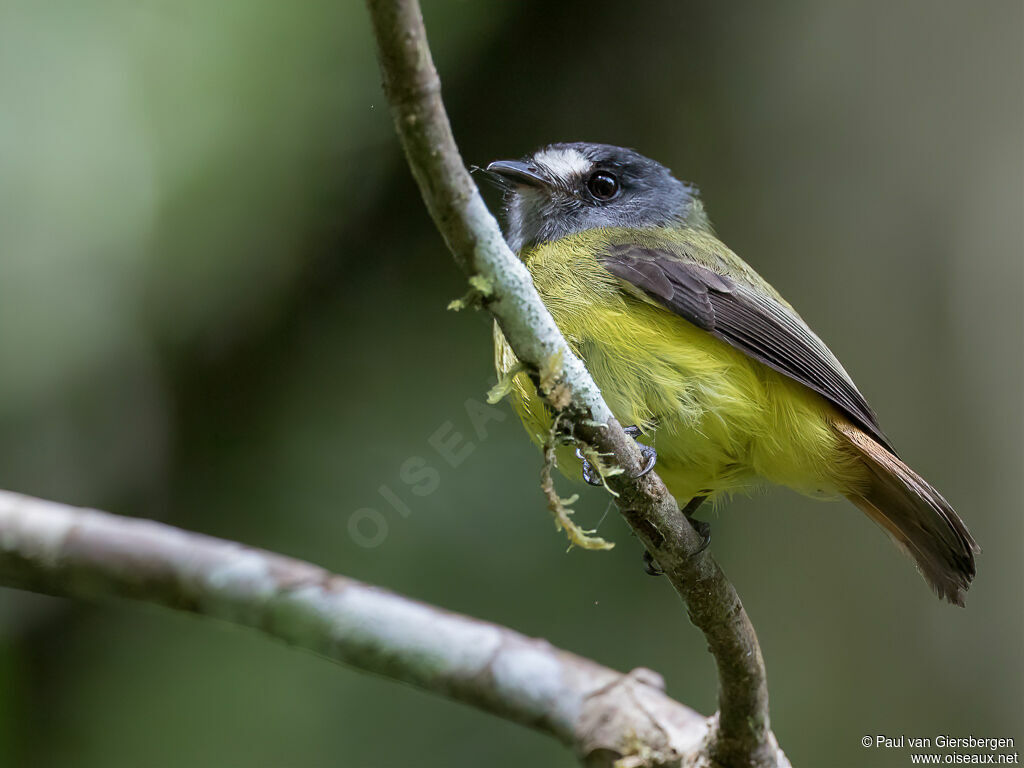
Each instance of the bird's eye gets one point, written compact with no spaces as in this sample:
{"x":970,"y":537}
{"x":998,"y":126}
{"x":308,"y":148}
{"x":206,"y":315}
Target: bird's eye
{"x":602,"y":185}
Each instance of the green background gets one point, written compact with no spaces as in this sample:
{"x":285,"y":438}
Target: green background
{"x":222,"y":305}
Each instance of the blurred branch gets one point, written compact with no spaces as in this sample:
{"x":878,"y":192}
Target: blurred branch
{"x":742,"y":737}
{"x":599,"y":713}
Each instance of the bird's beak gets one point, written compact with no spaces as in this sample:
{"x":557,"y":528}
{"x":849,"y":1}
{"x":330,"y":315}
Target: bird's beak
{"x":519,"y":173}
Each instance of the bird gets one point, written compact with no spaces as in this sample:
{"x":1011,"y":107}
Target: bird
{"x":696,"y":351}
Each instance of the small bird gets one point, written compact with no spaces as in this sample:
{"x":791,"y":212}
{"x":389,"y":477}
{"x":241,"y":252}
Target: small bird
{"x":692,"y":347}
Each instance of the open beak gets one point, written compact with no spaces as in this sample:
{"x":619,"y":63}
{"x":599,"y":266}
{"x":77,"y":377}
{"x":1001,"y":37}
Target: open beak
{"x":517,"y":172}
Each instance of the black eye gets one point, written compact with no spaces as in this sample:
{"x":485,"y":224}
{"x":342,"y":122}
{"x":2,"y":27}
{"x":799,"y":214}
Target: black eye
{"x":602,"y":185}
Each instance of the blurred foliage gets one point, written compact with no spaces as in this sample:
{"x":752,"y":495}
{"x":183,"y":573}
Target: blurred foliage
{"x":222,"y":305}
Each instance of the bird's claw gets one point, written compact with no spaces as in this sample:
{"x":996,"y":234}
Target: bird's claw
{"x":703,"y":530}
{"x":651,"y":458}
{"x":592,"y":477}
{"x":702,"y":527}
{"x":651,"y":568}
{"x":649,"y":454}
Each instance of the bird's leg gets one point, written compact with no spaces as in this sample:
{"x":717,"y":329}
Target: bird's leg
{"x":651,"y":568}
{"x":650,"y":456}
{"x":590,"y":475}
{"x":702,"y":528}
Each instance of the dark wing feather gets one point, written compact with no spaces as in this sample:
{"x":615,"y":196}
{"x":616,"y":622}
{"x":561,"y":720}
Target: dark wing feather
{"x":752,"y":321}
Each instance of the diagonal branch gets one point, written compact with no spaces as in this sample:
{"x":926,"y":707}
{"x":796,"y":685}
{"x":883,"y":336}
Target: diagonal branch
{"x":599,"y":713}
{"x":413,"y":89}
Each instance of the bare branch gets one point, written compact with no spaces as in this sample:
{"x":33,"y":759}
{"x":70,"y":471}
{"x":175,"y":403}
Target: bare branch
{"x":413,"y":89}
{"x":599,"y":713}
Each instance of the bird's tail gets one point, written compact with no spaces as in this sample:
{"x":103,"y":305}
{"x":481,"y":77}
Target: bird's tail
{"x":915,"y":516}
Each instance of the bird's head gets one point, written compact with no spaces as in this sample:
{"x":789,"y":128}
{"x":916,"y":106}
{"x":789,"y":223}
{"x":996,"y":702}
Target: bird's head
{"x":563,"y":189}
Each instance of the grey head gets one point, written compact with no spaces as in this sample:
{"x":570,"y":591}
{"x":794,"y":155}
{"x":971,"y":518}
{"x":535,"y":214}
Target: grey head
{"x":563,"y":189}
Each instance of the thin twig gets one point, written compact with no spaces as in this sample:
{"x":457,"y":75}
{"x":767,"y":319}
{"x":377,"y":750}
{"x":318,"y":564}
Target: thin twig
{"x":414,"y":93}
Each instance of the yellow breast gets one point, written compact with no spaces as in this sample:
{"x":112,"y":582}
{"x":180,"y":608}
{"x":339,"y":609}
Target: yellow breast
{"x":719,"y":420}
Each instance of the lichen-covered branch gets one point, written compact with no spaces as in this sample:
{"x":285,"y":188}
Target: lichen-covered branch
{"x":743,"y":736}
{"x":599,"y":713}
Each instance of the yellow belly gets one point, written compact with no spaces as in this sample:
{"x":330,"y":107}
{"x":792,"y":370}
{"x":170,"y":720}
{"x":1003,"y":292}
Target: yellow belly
{"x":720,"y":421}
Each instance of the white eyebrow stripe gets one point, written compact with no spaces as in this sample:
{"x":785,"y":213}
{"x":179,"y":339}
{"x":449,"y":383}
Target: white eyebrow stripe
{"x":563,"y":163}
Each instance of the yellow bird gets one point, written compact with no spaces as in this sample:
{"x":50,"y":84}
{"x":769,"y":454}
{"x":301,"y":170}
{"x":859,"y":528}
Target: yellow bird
{"x":695,"y":349}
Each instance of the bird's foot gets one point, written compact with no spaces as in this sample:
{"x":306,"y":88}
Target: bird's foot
{"x":702,"y":528}
{"x":650,"y":456}
{"x":590,"y":475}
{"x":651,"y":568}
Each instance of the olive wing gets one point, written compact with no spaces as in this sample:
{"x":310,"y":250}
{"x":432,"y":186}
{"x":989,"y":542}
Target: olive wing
{"x":749,"y":320}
